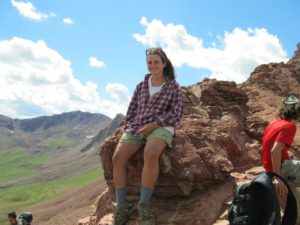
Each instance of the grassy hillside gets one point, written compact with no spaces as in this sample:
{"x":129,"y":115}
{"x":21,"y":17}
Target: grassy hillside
{"x":22,"y":197}
{"x":53,"y":143}
{"x":47,"y":161}
{"x":17,"y":162}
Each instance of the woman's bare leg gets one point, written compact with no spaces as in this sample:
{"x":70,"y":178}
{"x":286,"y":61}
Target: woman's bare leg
{"x":123,"y":153}
{"x":153,"y":149}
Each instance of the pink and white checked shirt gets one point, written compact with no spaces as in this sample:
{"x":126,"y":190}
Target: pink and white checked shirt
{"x":165,"y":107}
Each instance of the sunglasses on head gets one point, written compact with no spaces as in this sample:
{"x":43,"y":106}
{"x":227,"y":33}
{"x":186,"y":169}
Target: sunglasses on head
{"x":157,"y":51}
{"x":291,"y":100}
{"x":153,"y":50}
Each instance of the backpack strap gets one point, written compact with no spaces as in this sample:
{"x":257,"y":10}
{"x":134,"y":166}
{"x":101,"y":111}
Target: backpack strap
{"x":290,"y":213}
{"x":273,"y":208}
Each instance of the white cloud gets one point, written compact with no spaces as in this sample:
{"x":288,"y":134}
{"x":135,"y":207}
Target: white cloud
{"x":28,"y":10}
{"x":144,"y":21}
{"x":68,"y":21}
{"x":37,"y":80}
{"x":231,"y":57}
{"x":118,"y":92}
{"x":94,"y":62}
{"x":120,"y":95}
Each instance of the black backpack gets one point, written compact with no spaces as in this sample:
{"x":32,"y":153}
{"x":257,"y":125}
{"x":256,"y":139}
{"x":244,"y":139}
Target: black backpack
{"x":25,"y":217}
{"x":256,"y":203}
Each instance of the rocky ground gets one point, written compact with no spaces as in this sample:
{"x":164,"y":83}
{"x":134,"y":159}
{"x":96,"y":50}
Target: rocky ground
{"x":71,"y":207}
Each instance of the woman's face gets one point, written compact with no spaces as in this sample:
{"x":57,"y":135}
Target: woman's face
{"x":155,"y":64}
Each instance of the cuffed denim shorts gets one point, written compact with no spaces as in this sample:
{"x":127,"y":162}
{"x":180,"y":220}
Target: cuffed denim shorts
{"x":160,"y":133}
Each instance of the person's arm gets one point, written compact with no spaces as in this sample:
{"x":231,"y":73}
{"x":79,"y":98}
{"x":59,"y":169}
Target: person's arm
{"x":148,"y":128}
{"x":276,"y":157}
{"x":276,"y":163}
{"x":131,"y":111}
{"x":172,"y":118}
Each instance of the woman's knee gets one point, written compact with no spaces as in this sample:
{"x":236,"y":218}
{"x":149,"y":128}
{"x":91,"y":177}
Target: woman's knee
{"x":123,"y":153}
{"x":151,"y":157}
{"x":119,"y":158}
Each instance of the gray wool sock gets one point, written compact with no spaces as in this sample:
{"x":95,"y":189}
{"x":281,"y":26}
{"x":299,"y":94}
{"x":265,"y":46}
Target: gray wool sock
{"x":120,"y":196}
{"x":146,"y":194}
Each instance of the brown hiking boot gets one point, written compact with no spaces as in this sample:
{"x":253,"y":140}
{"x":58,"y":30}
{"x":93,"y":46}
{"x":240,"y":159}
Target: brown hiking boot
{"x":123,"y":213}
{"x":146,"y":217}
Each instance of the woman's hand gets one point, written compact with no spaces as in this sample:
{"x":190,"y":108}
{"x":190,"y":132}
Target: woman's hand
{"x":148,"y":128}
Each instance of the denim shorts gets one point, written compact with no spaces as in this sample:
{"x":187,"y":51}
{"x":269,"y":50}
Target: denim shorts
{"x":160,"y":133}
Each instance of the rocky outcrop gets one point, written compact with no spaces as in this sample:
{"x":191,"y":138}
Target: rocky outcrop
{"x":270,"y":83}
{"x":216,"y":135}
{"x":218,"y":141}
{"x":295,"y":60}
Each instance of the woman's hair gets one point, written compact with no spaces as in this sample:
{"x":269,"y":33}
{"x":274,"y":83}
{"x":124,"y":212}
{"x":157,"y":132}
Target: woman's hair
{"x":169,"y":69}
{"x":289,"y":109}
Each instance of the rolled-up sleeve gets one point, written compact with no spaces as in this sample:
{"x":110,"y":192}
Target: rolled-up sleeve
{"x":173,"y":116}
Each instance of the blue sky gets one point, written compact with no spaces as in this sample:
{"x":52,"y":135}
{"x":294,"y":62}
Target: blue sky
{"x":47,"y":65}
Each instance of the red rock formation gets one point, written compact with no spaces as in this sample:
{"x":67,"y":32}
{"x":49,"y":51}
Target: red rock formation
{"x":269,"y":84}
{"x":217,"y":141}
{"x":215,"y":136}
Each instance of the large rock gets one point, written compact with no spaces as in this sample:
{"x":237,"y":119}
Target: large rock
{"x":215,"y":136}
{"x":211,"y":140}
{"x":218,"y":140}
{"x":269,"y":84}
{"x":200,"y":208}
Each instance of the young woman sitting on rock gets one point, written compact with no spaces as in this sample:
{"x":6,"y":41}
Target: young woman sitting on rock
{"x":153,"y":113}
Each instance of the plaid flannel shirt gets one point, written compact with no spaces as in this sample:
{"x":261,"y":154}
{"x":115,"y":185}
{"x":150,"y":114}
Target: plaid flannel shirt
{"x":165,"y":107}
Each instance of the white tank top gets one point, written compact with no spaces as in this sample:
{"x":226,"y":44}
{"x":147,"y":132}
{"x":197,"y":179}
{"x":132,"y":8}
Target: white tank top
{"x":152,"y":91}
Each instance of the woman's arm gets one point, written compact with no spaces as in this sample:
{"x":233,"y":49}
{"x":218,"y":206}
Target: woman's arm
{"x":172,"y":118}
{"x":131,"y":111}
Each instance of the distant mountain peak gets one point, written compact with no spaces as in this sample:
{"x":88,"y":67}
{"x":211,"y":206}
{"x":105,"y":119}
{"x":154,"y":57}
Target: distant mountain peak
{"x":46,"y":122}
{"x":7,"y":122}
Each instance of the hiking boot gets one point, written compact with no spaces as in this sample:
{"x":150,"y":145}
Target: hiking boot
{"x":146,"y":217}
{"x":123,"y":213}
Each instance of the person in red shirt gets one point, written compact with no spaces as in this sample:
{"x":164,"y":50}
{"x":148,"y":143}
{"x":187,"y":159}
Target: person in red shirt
{"x":277,"y":139}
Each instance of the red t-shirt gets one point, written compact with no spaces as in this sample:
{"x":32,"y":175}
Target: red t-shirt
{"x":278,"y":131}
